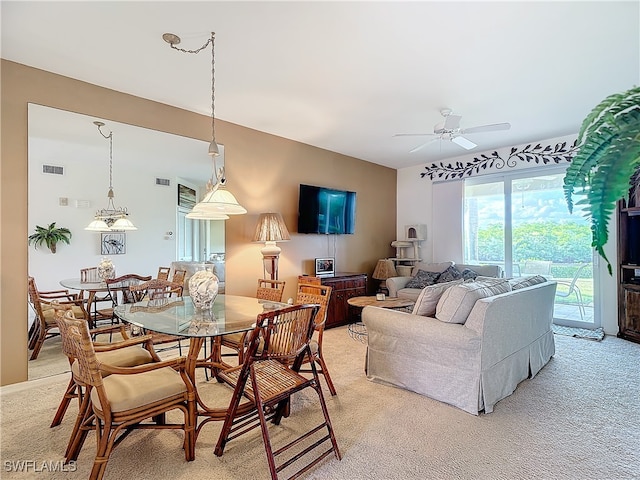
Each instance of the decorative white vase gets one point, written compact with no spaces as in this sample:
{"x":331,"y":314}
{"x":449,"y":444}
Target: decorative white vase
{"x":106,"y":270}
{"x":203,"y":289}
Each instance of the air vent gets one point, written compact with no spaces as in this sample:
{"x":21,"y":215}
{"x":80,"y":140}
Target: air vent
{"x":53,"y":169}
{"x":165,"y":182}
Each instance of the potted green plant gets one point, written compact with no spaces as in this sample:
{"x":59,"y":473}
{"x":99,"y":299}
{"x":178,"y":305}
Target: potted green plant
{"x":607,"y":159}
{"x":50,"y":236}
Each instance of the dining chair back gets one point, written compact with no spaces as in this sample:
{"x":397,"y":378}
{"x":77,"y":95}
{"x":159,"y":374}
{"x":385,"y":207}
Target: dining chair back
{"x":163,"y":273}
{"x":321,"y":295}
{"x":270,"y":290}
{"x":268,"y":377}
{"x":154,"y":290}
{"x":178,"y":277}
{"x":124,"y":399}
{"x":44,"y":317}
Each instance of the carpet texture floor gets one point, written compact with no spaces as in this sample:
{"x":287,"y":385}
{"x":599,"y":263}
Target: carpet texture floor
{"x":579,"y":418}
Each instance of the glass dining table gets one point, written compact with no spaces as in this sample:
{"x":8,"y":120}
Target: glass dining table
{"x":178,"y":317}
{"x":92,"y":289}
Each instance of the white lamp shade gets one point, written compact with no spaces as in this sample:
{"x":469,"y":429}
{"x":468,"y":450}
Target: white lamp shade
{"x":98,"y":226}
{"x":206,"y":216}
{"x":123,"y":224}
{"x":221,"y":201}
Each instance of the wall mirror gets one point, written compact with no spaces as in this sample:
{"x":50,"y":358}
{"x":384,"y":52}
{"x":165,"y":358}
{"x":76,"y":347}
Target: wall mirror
{"x":69,"y":181}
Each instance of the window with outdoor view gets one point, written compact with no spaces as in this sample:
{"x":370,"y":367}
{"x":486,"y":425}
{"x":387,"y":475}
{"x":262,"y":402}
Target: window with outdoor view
{"x":521,"y":222}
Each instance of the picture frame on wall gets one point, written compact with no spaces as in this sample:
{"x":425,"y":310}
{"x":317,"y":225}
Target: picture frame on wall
{"x":113,"y":243}
{"x":325,"y":267}
{"x":186,"y":196}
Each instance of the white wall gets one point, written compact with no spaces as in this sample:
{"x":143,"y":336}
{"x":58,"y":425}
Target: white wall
{"x":439,"y":206}
{"x":152,"y":208}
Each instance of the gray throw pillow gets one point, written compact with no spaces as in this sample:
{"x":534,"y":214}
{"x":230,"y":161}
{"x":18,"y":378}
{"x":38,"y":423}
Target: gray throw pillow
{"x":449,"y":275}
{"x":423,"y":279}
{"x":468,"y":274}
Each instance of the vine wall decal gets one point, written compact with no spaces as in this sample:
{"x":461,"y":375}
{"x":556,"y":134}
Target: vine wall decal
{"x":561,"y":152}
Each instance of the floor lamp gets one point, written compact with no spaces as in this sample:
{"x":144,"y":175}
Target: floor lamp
{"x":271,"y":229}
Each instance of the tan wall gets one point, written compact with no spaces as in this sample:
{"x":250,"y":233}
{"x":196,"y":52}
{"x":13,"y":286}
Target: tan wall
{"x":263,"y":172}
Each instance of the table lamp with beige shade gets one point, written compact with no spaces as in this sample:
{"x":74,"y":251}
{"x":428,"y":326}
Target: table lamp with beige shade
{"x":271,"y":229}
{"x":384,"y":269}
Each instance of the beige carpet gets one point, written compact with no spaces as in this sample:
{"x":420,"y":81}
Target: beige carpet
{"x":579,"y":418}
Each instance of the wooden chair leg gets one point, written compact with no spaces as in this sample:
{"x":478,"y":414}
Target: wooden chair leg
{"x":38,"y":345}
{"x":325,"y":372}
{"x":84,"y":423}
{"x":70,"y":393}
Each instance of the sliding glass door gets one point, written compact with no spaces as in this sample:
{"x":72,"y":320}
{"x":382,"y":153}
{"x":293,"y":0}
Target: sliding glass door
{"x":521,"y":221}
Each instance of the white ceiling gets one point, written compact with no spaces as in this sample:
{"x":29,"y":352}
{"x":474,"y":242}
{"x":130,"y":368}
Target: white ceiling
{"x":347,"y":76}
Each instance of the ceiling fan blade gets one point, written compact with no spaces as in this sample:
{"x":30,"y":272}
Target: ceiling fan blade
{"x":494,"y":127}
{"x":463,"y":142}
{"x":452,"y":122}
{"x":414,"y":135}
{"x":420,"y":147}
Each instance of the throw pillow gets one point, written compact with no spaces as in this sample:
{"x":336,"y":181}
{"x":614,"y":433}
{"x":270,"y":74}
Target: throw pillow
{"x":430,"y":267}
{"x":429,"y":296}
{"x":449,"y":275}
{"x":456,"y":302}
{"x":422,"y":279}
{"x":468,"y":274}
{"x":518,"y":283}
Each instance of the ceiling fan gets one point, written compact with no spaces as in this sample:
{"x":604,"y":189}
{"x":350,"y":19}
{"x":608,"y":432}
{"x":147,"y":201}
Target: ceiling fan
{"x":450,"y":130}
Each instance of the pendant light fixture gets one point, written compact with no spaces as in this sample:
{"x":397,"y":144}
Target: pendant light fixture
{"x":218,"y":202}
{"x":110,"y":218}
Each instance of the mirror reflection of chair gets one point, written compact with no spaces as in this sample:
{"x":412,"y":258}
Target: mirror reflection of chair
{"x":126,"y":353}
{"x":178,"y":277}
{"x":155,"y":289}
{"x":573,"y":289}
{"x":124,"y":399}
{"x":163,"y":273}
{"x":44,"y":322}
{"x":269,"y":290}
{"x":280,"y":338}
{"x":320,"y":295}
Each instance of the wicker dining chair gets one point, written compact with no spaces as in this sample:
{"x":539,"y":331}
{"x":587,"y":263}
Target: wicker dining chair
{"x":124,"y":399}
{"x":321,"y":295}
{"x":178,"y":277}
{"x":163,"y":273}
{"x":155,"y":289}
{"x":280,"y":338}
{"x":44,"y":322}
{"x":269,"y":290}
{"x":118,"y":292}
{"x":125,"y":353}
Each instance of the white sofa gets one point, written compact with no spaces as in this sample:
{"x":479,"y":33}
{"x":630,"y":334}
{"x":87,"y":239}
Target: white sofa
{"x":505,"y":339}
{"x":397,"y":285}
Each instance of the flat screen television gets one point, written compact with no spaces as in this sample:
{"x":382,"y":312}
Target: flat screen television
{"x":326,"y":210}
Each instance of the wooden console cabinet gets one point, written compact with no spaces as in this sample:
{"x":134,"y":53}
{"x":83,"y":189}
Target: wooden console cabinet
{"x":629,"y":268}
{"x":344,"y":286}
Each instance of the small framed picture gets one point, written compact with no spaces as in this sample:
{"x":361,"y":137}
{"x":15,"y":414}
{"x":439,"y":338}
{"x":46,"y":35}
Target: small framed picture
{"x":113,"y":243}
{"x":186,"y":196}
{"x":325,"y":267}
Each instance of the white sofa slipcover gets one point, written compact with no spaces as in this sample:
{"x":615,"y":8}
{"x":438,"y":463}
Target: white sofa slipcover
{"x":505,"y":339}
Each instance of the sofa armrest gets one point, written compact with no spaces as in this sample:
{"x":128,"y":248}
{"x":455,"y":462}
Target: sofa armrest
{"x":396,"y":283}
